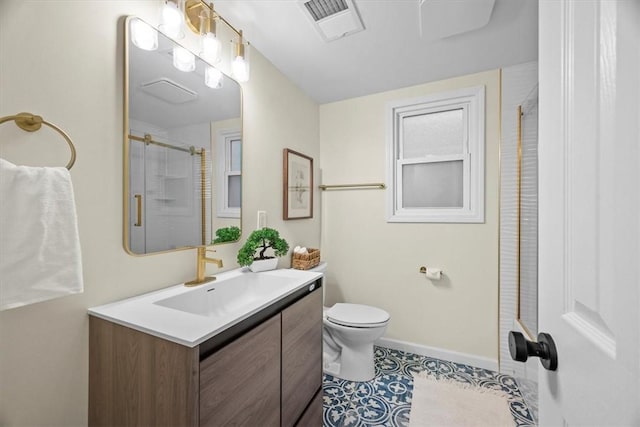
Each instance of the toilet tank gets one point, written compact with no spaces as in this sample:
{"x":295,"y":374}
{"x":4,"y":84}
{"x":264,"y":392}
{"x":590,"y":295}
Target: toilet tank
{"x":321,"y":268}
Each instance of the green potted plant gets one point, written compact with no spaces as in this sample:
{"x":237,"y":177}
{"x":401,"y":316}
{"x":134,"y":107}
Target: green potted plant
{"x":226,"y":234}
{"x":254,"y":251}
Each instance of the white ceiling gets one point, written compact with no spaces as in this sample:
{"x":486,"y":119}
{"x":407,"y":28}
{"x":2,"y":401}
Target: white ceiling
{"x":390,"y":53}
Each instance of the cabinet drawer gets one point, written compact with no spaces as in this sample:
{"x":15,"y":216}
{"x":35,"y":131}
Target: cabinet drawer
{"x":240,"y":384}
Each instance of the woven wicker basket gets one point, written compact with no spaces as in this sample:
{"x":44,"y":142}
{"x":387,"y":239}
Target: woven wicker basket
{"x":306,"y":261}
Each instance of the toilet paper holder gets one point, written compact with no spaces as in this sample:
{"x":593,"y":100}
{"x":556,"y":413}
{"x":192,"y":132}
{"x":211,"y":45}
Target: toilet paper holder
{"x":438,"y":272}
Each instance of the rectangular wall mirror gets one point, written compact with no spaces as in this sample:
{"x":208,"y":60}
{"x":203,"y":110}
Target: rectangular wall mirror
{"x":182,"y":146}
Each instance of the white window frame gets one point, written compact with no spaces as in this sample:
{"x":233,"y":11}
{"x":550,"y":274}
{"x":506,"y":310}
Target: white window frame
{"x":223,"y":172}
{"x":471,"y":101}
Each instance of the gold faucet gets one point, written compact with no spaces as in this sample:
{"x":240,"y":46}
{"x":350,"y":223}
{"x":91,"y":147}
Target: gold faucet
{"x":201,"y":267}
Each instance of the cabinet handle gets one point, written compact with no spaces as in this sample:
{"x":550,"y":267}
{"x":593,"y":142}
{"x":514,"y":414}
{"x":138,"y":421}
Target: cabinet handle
{"x":138,"y":222}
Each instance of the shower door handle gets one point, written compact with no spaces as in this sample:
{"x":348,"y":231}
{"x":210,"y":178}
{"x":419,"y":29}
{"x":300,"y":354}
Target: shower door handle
{"x":138,"y":222}
{"x":521,"y":348}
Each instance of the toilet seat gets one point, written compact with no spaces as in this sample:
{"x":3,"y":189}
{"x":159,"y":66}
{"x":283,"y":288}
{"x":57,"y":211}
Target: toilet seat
{"x":357,"y":315}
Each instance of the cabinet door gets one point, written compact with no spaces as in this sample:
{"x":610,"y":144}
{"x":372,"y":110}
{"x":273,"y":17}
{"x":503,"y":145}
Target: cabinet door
{"x":312,"y":417}
{"x":136,"y":379}
{"x":301,"y":355}
{"x":240,"y":384}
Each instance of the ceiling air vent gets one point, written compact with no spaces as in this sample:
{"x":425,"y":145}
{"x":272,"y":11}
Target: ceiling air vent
{"x":320,"y":9}
{"x":169,"y":91}
{"x":333,"y":19}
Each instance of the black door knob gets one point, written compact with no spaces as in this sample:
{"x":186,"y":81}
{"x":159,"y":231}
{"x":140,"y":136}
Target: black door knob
{"x":521,"y":348}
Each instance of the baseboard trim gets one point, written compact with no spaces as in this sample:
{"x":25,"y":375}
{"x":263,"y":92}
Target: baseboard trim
{"x":439,"y":353}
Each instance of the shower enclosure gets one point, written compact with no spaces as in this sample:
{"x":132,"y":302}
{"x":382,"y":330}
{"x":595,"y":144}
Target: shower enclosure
{"x":170,"y":191}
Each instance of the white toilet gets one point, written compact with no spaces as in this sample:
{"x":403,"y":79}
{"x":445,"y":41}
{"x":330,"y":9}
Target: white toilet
{"x":348,"y":336}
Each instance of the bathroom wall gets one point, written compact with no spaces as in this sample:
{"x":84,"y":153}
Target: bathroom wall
{"x":63,"y":60}
{"x":375,"y":262}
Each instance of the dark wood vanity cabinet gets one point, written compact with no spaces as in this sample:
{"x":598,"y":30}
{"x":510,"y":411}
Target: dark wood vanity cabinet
{"x":301,"y":357}
{"x":269,"y":374}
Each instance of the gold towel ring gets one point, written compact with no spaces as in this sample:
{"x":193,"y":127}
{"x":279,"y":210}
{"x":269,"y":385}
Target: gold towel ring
{"x":31,"y":123}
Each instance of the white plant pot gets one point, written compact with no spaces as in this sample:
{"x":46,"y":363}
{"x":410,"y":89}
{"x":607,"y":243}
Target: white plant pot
{"x":264,"y":265}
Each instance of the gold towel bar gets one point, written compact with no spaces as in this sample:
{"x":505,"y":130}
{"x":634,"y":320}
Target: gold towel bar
{"x":379,"y":186}
{"x":31,"y":123}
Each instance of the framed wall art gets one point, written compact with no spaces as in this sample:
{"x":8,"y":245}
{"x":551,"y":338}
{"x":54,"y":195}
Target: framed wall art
{"x":298,"y":185}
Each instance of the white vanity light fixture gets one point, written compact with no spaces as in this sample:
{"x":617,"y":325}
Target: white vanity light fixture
{"x":183,"y":60}
{"x":240,"y":63}
{"x":210,"y":46}
{"x":171,"y":19}
{"x":144,"y":35}
{"x":213,"y":77}
{"x":202,"y":18}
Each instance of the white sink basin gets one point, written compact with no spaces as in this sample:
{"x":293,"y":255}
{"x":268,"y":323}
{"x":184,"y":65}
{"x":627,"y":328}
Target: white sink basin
{"x":190,"y":316}
{"x":232,"y":296}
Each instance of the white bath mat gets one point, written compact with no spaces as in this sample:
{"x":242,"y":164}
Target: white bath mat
{"x":449,"y":403}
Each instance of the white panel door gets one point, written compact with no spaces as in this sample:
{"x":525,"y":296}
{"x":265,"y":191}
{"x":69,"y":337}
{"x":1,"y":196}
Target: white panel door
{"x":589,"y":256}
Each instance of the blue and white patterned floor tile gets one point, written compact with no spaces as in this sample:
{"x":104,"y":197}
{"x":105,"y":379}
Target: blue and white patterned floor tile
{"x":386,"y":400}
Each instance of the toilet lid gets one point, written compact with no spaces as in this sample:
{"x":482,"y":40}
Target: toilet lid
{"x":357,"y":315}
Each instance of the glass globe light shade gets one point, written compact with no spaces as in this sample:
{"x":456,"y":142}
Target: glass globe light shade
{"x":213,"y":78}
{"x":240,"y":69}
{"x":183,"y":60}
{"x":171,"y":20}
{"x":143,"y":35}
{"x":210,"y":48}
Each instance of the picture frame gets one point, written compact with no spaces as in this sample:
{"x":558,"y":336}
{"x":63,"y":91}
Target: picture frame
{"x":297,"y":185}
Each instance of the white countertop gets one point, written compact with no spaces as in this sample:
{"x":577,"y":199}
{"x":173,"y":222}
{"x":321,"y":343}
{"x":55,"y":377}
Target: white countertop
{"x":189,"y":316}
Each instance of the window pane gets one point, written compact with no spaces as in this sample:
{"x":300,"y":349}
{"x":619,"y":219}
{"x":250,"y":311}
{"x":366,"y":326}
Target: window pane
{"x":433,"y":134}
{"x":234,"y":194}
{"x":432,"y":185}
{"x":235,"y":155}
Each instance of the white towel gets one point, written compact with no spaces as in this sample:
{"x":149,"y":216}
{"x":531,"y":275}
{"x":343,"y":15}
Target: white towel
{"x":39,"y":244}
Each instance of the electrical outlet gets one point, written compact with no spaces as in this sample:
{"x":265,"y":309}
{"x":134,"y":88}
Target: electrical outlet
{"x":262,"y":219}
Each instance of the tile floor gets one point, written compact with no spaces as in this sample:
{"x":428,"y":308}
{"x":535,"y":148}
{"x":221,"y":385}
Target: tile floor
{"x":386,"y":400}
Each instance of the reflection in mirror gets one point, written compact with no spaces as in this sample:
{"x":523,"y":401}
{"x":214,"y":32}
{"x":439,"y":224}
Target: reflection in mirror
{"x":528,"y":214}
{"x":182,"y":146}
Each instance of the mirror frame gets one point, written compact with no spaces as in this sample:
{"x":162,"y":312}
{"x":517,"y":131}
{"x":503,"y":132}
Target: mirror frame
{"x":126,"y":150}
